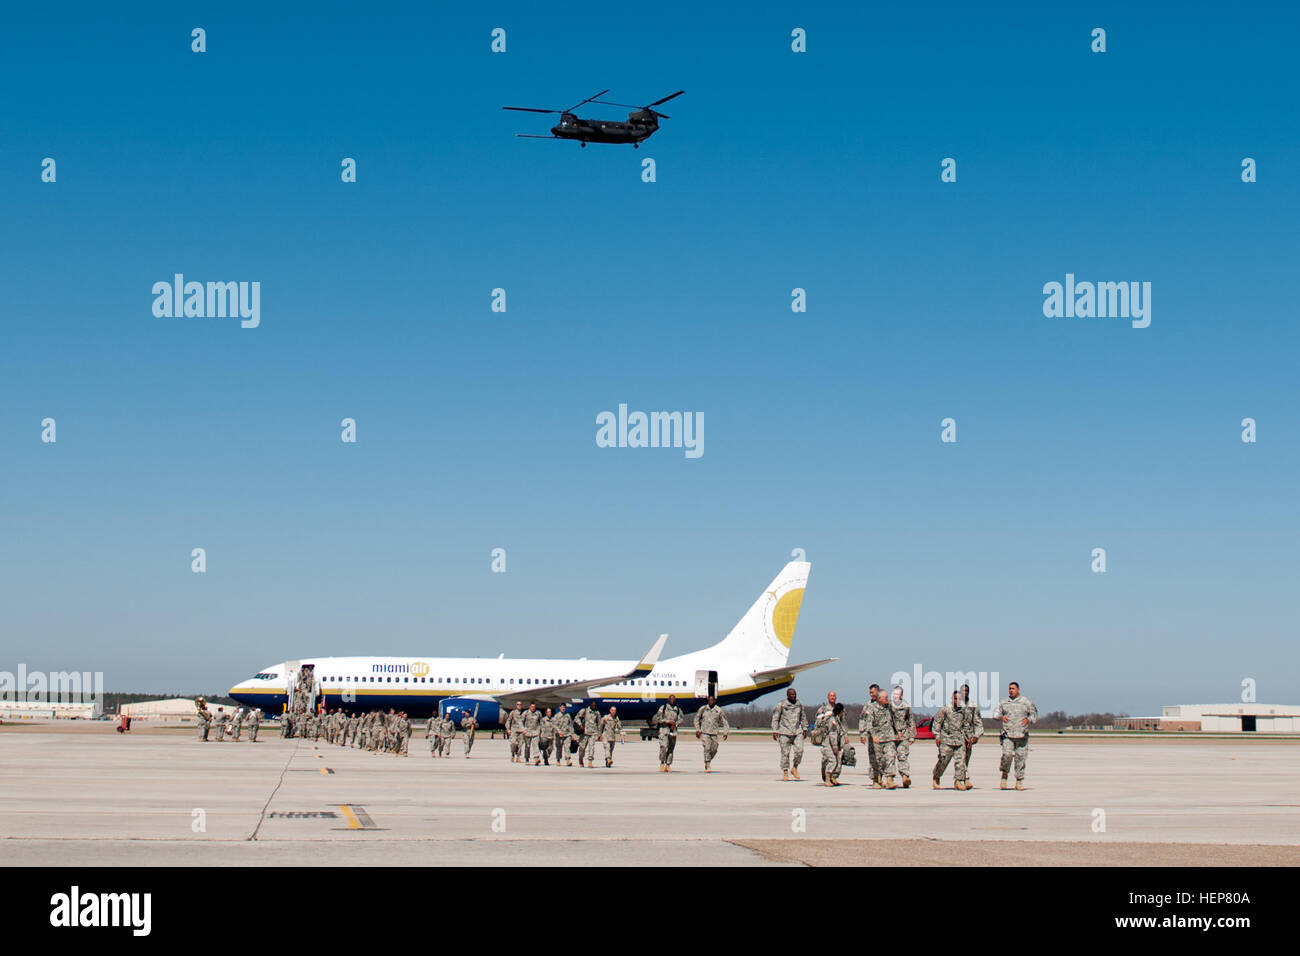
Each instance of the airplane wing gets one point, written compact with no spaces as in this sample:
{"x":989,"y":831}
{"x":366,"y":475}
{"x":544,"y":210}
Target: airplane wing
{"x":563,"y":693}
{"x":788,"y":671}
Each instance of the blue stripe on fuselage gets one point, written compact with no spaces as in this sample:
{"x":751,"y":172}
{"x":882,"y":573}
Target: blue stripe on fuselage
{"x":425,"y":705}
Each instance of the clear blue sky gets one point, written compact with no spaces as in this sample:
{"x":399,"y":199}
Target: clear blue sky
{"x":477,"y":430}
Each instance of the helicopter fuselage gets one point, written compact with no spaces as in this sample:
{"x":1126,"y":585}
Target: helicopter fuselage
{"x":602,"y":131}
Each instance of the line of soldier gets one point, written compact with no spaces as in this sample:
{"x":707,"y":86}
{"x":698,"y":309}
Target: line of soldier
{"x":226,"y":723}
{"x":537,"y":735}
{"x":887,"y":727}
{"x":440,"y":731}
{"x":890,"y":725}
{"x":374,"y":730}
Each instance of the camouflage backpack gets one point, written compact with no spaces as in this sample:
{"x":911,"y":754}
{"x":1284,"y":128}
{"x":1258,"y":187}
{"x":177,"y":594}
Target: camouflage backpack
{"x":818,"y":734}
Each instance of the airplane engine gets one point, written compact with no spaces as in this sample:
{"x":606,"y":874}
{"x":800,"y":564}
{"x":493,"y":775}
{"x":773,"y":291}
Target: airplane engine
{"x":489,"y":711}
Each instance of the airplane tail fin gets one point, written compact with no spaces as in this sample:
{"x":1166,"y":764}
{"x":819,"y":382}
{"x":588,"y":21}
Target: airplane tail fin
{"x":761,"y":640}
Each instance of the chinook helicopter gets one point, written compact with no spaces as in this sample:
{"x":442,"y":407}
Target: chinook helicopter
{"x":641,"y":123}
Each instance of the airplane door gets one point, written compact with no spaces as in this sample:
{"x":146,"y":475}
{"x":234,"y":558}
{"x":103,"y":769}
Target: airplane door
{"x":706,"y":684}
{"x":307,"y":687}
{"x":290,"y":684}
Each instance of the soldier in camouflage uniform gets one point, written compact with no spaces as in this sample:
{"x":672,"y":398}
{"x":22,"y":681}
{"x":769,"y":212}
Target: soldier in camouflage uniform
{"x":546,"y":737}
{"x":611,"y":727}
{"x":949,"y":728}
{"x":884,"y":737}
{"x":827,"y":707}
{"x":254,"y":721}
{"x":590,"y":736}
{"x":789,"y":728}
{"x":1016,"y":714}
{"x":666,"y":719}
{"x":448,"y":735}
{"x":219,"y":722}
{"x":579,"y":722}
{"x":532,"y":733}
{"x":204,"y":718}
{"x":829,"y":724}
{"x":433,"y":734}
{"x":865,"y":722}
{"x":239,"y":724}
{"x":905,"y":722}
{"x":286,"y":725}
{"x":974,"y":729}
{"x":563,"y":735}
{"x":710,"y":721}
{"x":515,"y":731}
{"x":469,"y":724}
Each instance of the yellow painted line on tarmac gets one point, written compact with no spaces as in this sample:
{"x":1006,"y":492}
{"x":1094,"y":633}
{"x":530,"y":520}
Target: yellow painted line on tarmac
{"x":353,"y":822}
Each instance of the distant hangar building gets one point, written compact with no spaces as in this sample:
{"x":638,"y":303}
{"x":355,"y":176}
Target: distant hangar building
{"x":175,"y":708}
{"x":1230,"y":718}
{"x":50,"y":709}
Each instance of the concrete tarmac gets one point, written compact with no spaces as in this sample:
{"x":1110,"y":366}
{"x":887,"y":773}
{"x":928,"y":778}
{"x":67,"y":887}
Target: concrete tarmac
{"x":159,"y":798}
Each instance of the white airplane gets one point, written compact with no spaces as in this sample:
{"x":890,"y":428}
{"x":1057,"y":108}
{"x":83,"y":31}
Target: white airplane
{"x":749,"y":662}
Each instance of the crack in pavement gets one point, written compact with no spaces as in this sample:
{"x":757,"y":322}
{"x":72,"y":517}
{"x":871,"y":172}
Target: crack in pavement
{"x":283,"y":770}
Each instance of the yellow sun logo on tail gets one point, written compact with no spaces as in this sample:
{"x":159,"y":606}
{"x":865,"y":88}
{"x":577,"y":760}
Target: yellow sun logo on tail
{"x":786,"y":614}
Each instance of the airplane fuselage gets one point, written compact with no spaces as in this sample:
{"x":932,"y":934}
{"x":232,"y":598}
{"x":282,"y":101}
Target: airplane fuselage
{"x":419,"y":686}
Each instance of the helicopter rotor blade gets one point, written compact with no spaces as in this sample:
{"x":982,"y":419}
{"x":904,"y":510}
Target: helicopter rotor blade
{"x":528,"y":109}
{"x":666,"y":99}
{"x":534,"y":136}
{"x":650,"y":107}
{"x":586,"y":101}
